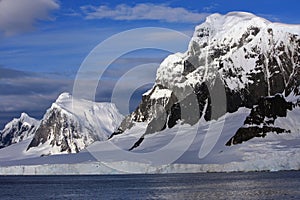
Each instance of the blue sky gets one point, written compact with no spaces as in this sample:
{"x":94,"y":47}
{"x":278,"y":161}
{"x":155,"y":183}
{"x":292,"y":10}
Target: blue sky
{"x":44,"y":42}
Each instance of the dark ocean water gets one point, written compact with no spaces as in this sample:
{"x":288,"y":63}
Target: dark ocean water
{"x":259,"y":185}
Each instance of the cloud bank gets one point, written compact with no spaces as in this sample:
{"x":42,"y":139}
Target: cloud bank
{"x":143,"y":12}
{"x":28,"y":92}
{"x":17,"y":16}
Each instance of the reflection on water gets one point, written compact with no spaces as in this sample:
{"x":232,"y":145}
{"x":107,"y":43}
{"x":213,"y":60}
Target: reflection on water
{"x":260,"y":185}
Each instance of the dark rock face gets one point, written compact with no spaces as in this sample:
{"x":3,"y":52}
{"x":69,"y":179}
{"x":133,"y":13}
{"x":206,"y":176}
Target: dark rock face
{"x":175,"y":110}
{"x":151,"y":110}
{"x":244,"y":134}
{"x":56,"y":124}
{"x":189,"y":111}
{"x":262,"y":118}
{"x":17,"y":130}
{"x":293,"y":84}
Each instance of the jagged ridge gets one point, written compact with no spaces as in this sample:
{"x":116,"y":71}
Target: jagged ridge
{"x":18,"y":130}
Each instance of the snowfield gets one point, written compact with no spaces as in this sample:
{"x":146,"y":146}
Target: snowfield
{"x":272,"y":153}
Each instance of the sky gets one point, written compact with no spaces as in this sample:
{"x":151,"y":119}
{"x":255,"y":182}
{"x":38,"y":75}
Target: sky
{"x":43,"y":43}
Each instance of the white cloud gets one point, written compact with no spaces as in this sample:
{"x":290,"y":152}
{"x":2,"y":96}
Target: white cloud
{"x":18,"y":16}
{"x":143,"y":12}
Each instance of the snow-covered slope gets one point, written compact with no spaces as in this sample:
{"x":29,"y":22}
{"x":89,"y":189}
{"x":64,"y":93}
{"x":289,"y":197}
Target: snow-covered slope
{"x":232,"y":61}
{"x":274,"y":152}
{"x":17,"y":130}
{"x":71,"y":124}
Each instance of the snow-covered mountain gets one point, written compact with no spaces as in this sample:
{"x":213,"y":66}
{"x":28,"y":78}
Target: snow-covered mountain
{"x":17,"y":130}
{"x":248,"y":58}
{"x":72,"y":124}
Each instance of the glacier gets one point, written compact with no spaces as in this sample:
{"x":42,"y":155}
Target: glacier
{"x":272,"y":153}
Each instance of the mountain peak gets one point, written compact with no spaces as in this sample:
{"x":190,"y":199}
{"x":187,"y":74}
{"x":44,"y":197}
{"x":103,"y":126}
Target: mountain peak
{"x":18,"y":130}
{"x":24,"y":117}
{"x":23,"y":114}
{"x":231,"y":25}
{"x":63,"y":97}
{"x":237,"y":16}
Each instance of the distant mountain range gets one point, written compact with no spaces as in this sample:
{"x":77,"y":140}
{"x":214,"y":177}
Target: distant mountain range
{"x":237,"y":64}
{"x":68,"y":126}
